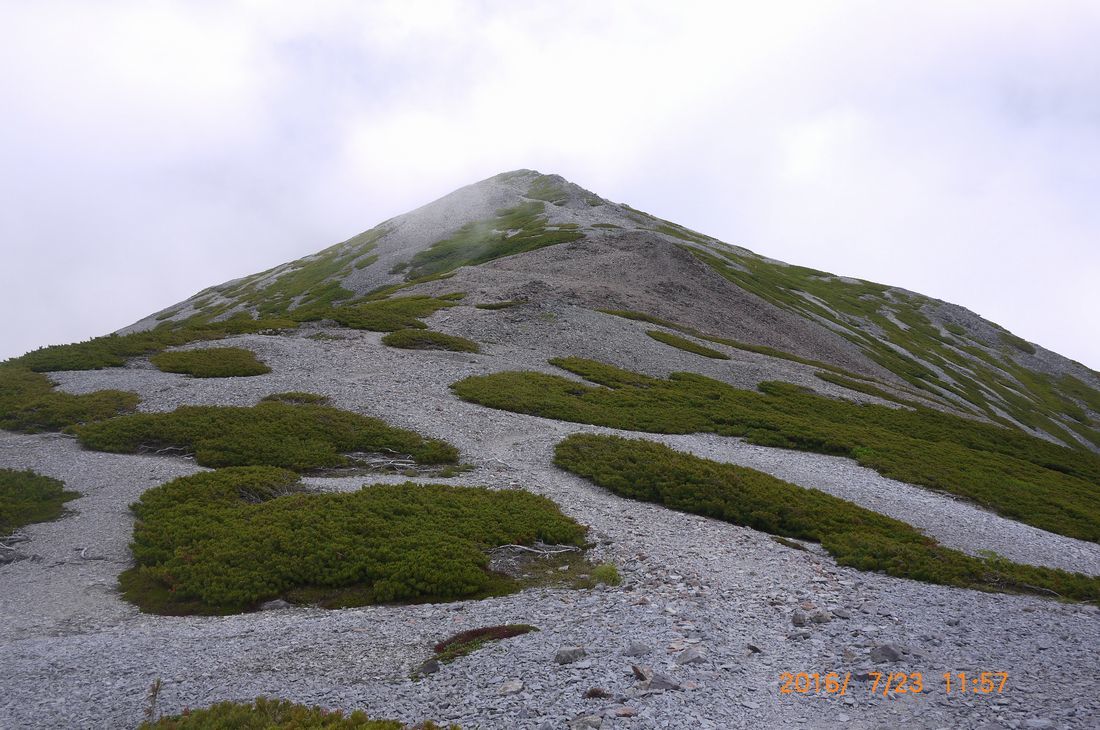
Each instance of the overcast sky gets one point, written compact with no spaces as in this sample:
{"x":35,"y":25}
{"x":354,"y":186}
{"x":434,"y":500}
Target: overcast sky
{"x":150,"y":149}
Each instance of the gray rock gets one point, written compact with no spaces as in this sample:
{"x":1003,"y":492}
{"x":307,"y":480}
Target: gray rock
{"x":884,"y":653}
{"x":587,"y":721}
{"x":276,"y":605}
{"x":637,"y":648}
{"x":569,"y":654}
{"x":842,"y":613}
{"x":511,"y":687}
{"x":692,"y":655}
{"x":1037,"y":723}
{"x":799,"y":618}
{"x":429,"y":667}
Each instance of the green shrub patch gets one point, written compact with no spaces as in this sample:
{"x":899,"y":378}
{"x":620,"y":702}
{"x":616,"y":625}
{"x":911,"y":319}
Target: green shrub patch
{"x":30,"y":404}
{"x":272,"y":714}
{"x":272,"y":433}
{"x":212,"y":362}
{"x":388,"y":315}
{"x":27,"y":497}
{"x":416,"y":339}
{"x":499,"y":305}
{"x":297,"y":397}
{"x":224,"y":541}
{"x":1016,"y":475}
{"x":854,"y":536}
{"x":685,"y":344}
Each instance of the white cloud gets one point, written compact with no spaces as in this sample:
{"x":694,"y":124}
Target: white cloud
{"x":151,"y":149}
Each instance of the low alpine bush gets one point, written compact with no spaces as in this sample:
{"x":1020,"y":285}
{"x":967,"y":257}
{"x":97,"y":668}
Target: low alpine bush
{"x":211,"y":362}
{"x":274,"y":714}
{"x":272,"y":433}
{"x":27,"y":497}
{"x":854,"y":536}
{"x":685,"y":344}
{"x":1018,"y":476}
{"x":417,"y":339}
{"x":223,"y":541}
{"x":30,"y":404}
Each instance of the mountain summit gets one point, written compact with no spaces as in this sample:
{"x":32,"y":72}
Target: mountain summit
{"x":540,"y":239}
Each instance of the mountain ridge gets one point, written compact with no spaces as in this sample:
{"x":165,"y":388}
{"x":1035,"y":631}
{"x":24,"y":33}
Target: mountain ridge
{"x":620,"y":258}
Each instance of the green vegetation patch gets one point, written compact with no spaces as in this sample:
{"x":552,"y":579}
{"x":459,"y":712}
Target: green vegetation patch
{"x":30,"y":404}
{"x":512,"y":231}
{"x":1018,"y":476}
{"x":297,"y":397}
{"x":272,"y":433}
{"x":854,"y":536}
{"x":114,"y":350}
{"x":416,"y":339}
{"x":389,"y":315}
{"x":686,"y":344}
{"x":27,"y":497}
{"x":272,"y":714}
{"x":224,"y":541}
{"x":211,"y":362}
{"x":467,"y":642}
{"x":548,"y":189}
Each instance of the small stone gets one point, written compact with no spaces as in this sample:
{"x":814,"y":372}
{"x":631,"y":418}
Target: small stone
{"x":661,"y":682}
{"x":842,"y":613}
{"x":799,"y":618}
{"x":569,"y":654}
{"x":624,"y":711}
{"x":511,"y":687}
{"x":1037,"y":723}
{"x":694,"y":655}
{"x":637,"y":648}
{"x":754,"y":649}
{"x":952,"y":622}
{"x":587,"y":721}
{"x":885,"y":653}
{"x":843,"y":718}
{"x":429,"y":667}
{"x":276,"y":605}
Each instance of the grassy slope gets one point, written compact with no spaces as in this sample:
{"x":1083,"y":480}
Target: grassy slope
{"x":1019,"y":476}
{"x":855,"y":536}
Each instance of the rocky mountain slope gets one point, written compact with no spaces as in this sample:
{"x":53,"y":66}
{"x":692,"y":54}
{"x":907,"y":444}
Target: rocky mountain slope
{"x":521,"y":271}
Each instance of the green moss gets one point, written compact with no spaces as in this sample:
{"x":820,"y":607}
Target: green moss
{"x":606,"y":225}
{"x":415,"y":339}
{"x":512,"y":231}
{"x":272,"y":714}
{"x":272,"y":433}
{"x":226,"y":540}
{"x":1018,"y":342}
{"x":467,"y":642}
{"x":686,"y":345}
{"x":955,"y":329}
{"x":211,"y":362}
{"x":27,"y":497}
{"x":854,"y":536}
{"x":862,"y":386}
{"x":366,"y":261}
{"x":1016,"y":475}
{"x":30,"y":404}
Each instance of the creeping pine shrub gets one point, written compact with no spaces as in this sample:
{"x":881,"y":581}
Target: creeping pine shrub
{"x":1018,"y":476}
{"x":272,"y":433}
{"x":297,"y":397}
{"x":417,"y":339}
{"x":29,"y":403}
{"x":224,"y":541}
{"x":27,"y":497}
{"x":607,"y":573}
{"x":389,"y":315}
{"x":274,"y":714}
{"x":855,"y":536}
{"x":212,"y":362}
{"x":686,"y":344}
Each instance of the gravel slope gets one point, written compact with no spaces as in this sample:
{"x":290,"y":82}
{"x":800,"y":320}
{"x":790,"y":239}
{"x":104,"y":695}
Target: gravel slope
{"x":76,"y":656}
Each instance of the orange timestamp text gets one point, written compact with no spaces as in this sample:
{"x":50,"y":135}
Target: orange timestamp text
{"x":892,"y":684}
